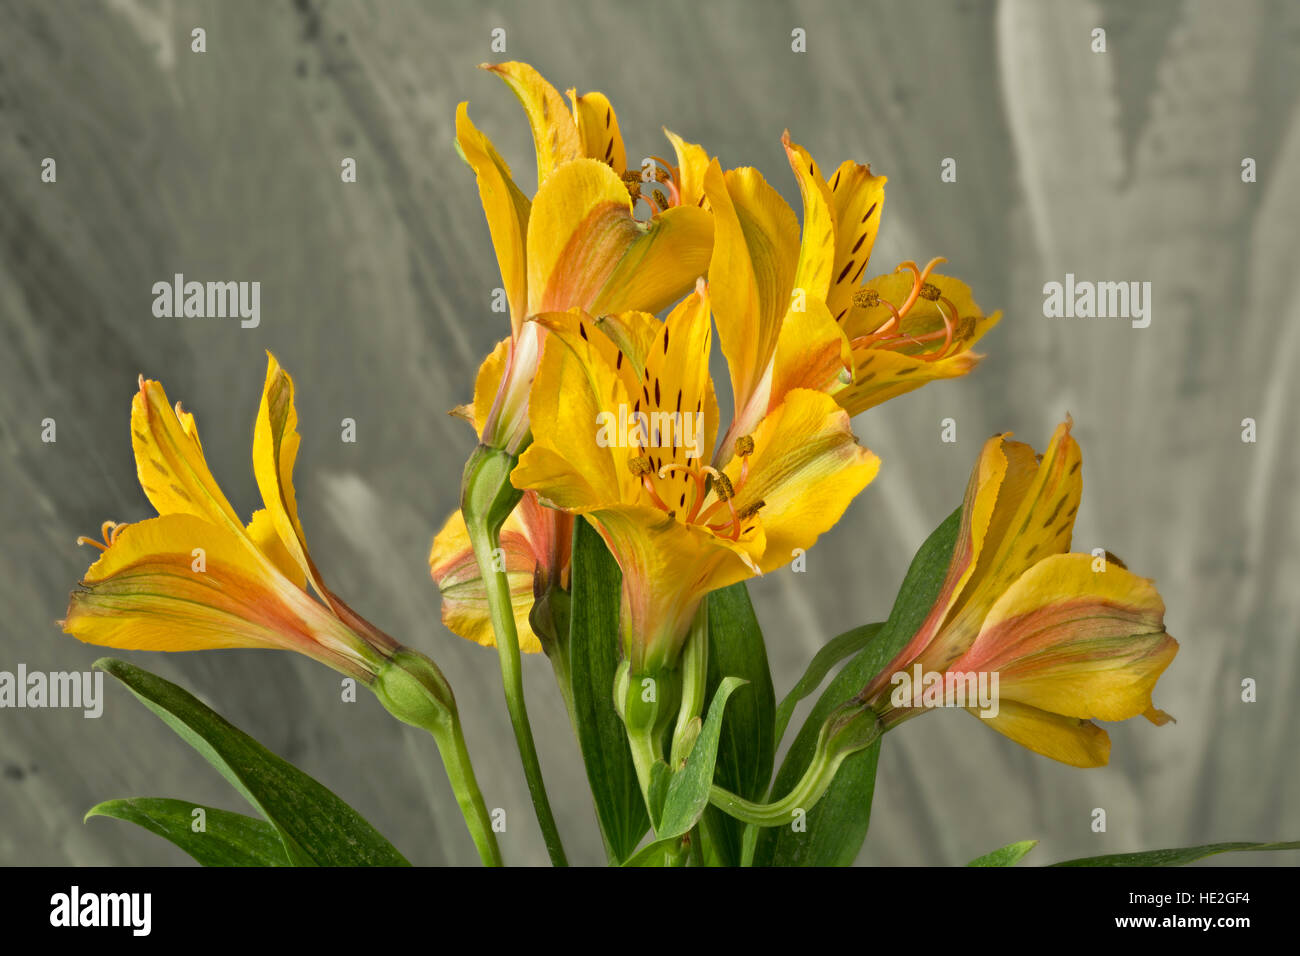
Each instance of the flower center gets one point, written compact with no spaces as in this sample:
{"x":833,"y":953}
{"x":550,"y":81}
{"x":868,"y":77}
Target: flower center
{"x":889,"y":335}
{"x":711,"y":491}
{"x":653,"y":187}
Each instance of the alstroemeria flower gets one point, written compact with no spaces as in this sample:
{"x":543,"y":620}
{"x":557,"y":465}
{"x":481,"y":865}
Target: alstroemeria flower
{"x":578,"y":242}
{"x":678,"y":527}
{"x":1071,"y":639}
{"x":196,"y":577}
{"x":535,"y":550}
{"x":789,"y":307}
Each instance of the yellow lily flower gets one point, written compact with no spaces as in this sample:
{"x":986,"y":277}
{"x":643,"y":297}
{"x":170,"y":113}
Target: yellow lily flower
{"x":578,"y":242}
{"x":1069,"y":642}
{"x":678,"y":527}
{"x":196,"y":577}
{"x":789,"y":308}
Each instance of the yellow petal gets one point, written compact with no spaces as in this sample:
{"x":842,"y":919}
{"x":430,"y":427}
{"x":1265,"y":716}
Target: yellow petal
{"x":275,"y":448}
{"x":572,"y":463}
{"x":505,"y":207}
{"x":598,"y":129}
{"x":857,"y":198}
{"x":1079,"y":743}
{"x":1075,"y":641}
{"x":555,"y":135}
{"x":805,"y":469}
{"x":1031,"y":520}
{"x":264,"y":535}
{"x":751,"y":273}
{"x":464,"y":598}
{"x":487,"y":382}
{"x":179,"y":583}
{"x":169,"y":459}
{"x":661,"y":265}
{"x":817,"y":249}
{"x":692,"y":164}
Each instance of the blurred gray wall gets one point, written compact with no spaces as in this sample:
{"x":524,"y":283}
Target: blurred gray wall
{"x":225,"y":165}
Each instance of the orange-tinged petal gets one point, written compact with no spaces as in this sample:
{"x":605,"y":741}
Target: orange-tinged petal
{"x":1079,"y":743}
{"x":805,"y":469}
{"x":1075,"y":641}
{"x":169,"y":459}
{"x":505,"y":207}
{"x":598,"y":129}
{"x":555,"y":135}
{"x":668,"y":567}
{"x":661,"y":265}
{"x":464,"y":598}
{"x":675,"y":386}
{"x":751,"y":273}
{"x":692,"y":164}
{"x":857,"y":198}
{"x":811,"y":352}
{"x":179,"y":583}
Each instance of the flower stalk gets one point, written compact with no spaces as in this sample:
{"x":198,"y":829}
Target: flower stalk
{"x":487,"y":499}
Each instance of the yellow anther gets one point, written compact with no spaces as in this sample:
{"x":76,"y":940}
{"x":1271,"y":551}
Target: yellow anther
{"x":745,"y":445}
{"x":866,"y":298}
{"x":639,"y":465}
{"x":750,"y":510}
{"x":930,"y":291}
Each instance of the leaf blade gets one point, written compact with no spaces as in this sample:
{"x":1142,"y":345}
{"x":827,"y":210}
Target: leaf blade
{"x":1177,"y":856}
{"x":228,"y":839}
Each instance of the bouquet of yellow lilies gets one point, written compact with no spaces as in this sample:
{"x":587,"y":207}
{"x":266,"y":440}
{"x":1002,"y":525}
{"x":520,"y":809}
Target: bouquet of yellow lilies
{"x":610,"y":518}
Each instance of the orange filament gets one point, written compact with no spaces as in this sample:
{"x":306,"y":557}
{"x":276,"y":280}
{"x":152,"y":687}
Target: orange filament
{"x":109,"y":531}
{"x":921,"y":289}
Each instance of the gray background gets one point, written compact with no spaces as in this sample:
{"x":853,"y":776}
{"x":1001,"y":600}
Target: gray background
{"x":225,"y":165}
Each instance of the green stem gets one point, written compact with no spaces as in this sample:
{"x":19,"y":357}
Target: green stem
{"x":455,"y":757}
{"x":695,"y":677}
{"x":834,"y":745}
{"x":485,"y":540}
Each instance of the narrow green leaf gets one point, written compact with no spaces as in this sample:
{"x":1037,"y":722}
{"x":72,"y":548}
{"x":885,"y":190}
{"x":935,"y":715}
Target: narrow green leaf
{"x":839,"y":649}
{"x":832,"y":832}
{"x":594,"y":657}
{"x":225,"y":839}
{"x":1179,"y":856}
{"x":746,"y":747}
{"x":1008,"y":855}
{"x":688,"y":791}
{"x":316,"y":827}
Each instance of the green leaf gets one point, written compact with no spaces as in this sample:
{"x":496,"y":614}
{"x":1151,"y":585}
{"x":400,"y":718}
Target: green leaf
{"x":688,"y":791}
{"x":747,"y":746}
{"x":658,"y":853}
{"x":315,"y":826}
{"x":1179,"y":856}
{"x":846,"y":645}
{"x":594,"y":657}
{"x":835,"y":829}
{"x":1008,"y":855}
{"x":227,"y":839}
